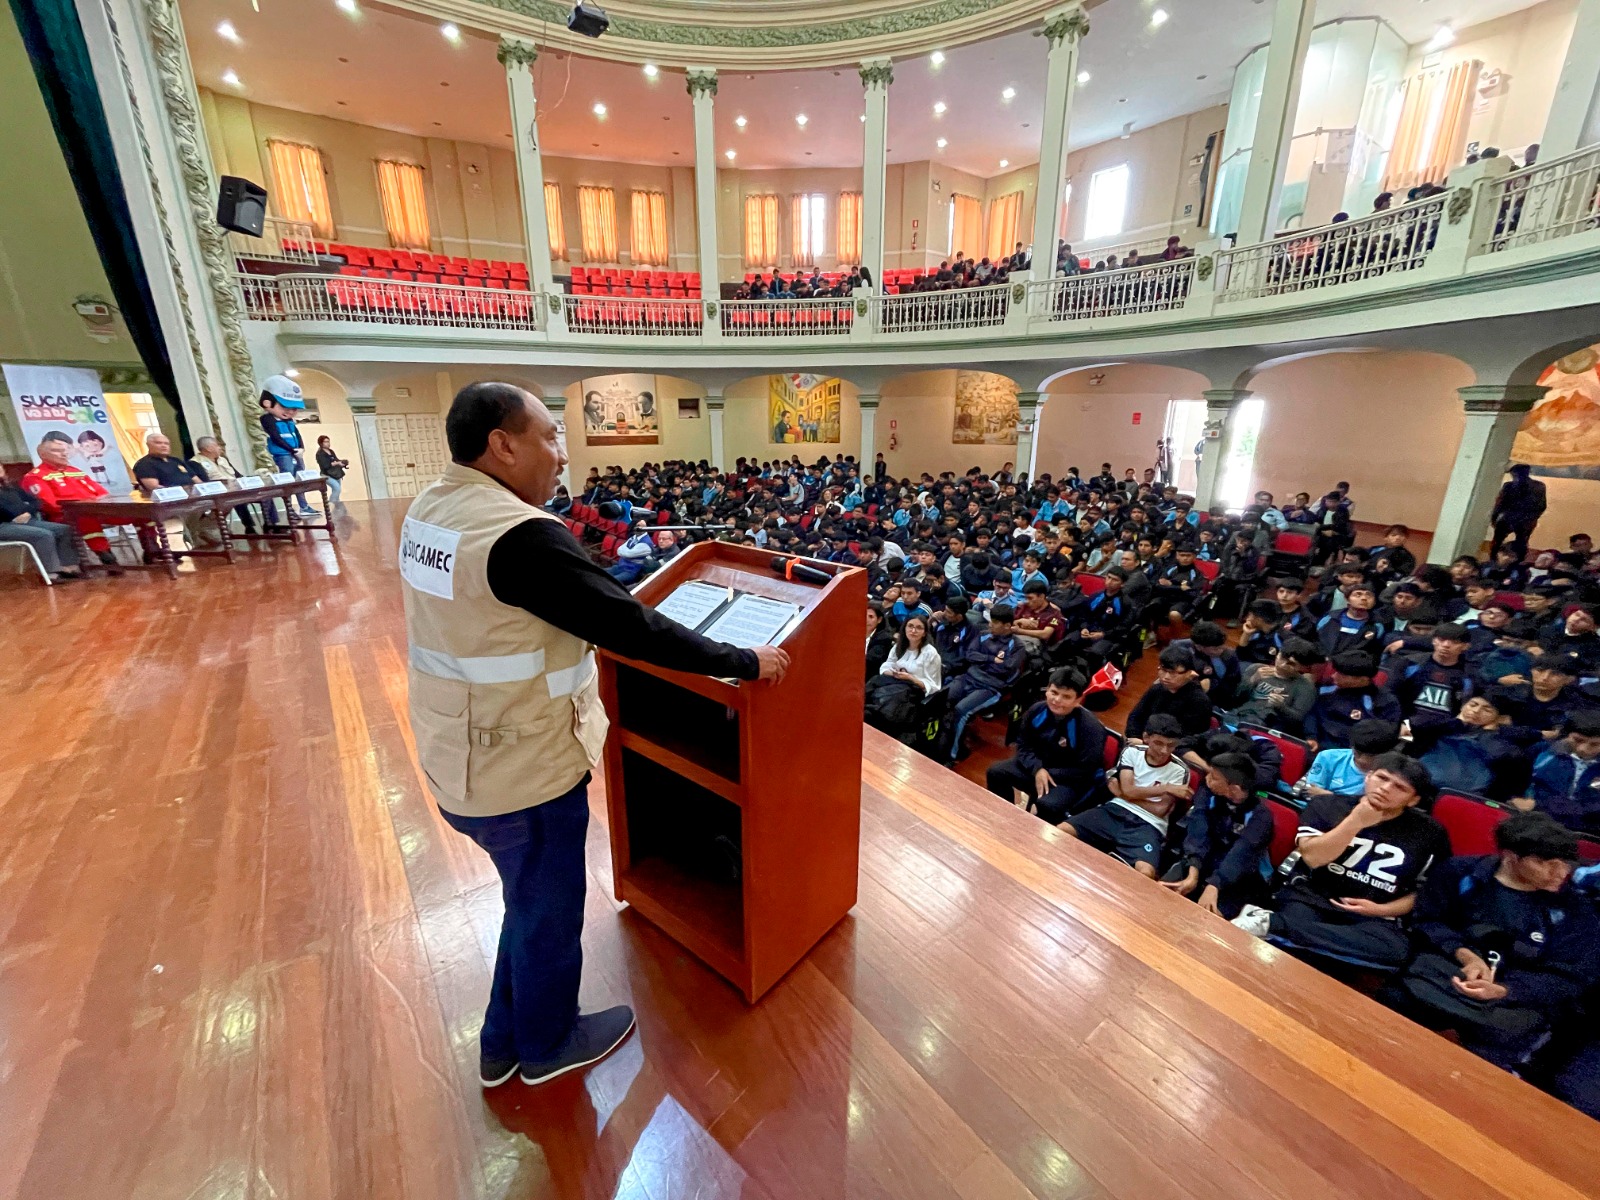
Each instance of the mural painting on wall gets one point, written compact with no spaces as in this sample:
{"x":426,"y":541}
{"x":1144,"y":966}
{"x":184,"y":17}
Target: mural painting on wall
{"x":986,"y":410}
{"x":803,"y":408}
{"x":1560,"y":436}
{"x":620,"y":410}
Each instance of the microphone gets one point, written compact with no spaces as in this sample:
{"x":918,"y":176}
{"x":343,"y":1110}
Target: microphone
{"x":609,"y":509}
{"x":793,"y":568}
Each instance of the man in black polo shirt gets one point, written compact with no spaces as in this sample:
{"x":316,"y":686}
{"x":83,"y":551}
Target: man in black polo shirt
{"x":159,"y":468}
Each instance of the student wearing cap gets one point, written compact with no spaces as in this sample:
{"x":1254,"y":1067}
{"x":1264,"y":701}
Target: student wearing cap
{"x":280,"y":395}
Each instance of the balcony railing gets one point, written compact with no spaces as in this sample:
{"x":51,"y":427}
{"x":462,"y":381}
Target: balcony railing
{"x":297,"y":297}
{"x":634,"y":316}
{"x":1398,"y":239}
{"x":931,"y":312}
{"x":1540,"y":203}
{"x":787,"y":318}
{"x":280,"y":241}
{"x":1156,"y":288}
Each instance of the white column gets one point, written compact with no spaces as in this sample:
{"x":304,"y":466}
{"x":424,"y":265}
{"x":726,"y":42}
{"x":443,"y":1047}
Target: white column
{"x":557,"y":406}
{"x":869,"y":431}
{"x":876,"y":76}
{"x":364,"y":409}
{"x":1028,"y":406}
{"x":1064,"y":29}
{"x":702,"y":83}
{"x":517,"y":56}
{"x":1292,"y":21}
{"x":1574,"y":121}
{"x":1494,"y":414}
{"x":714,"y":413}
{"x":1221,"y":404}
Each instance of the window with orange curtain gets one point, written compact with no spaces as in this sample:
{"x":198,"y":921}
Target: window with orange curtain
{"x":554,"y":226}
{"x":405,"y":204}
{"x":597,"y":224}
{"x":808,"y":223}
{"x":1005,"y":216}
{"x":1432,"y":134}
{"x":301,"y":193}
{"x":849,"y":232}
{"x":966,"y":224}
{"x":649,"y":245}
{"x":761,"y":231}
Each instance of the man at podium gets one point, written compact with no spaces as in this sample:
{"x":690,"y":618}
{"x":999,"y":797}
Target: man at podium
{"x":503,"y":611}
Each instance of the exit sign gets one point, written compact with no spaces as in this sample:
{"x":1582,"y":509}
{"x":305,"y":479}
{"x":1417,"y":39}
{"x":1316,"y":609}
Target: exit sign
{"x":1137,"y":417}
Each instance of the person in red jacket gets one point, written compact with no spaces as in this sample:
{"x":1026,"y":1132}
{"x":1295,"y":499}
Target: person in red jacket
{"x":54,"y":480}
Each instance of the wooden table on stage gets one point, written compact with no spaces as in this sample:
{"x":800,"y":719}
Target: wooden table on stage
{"x":142,"y":510}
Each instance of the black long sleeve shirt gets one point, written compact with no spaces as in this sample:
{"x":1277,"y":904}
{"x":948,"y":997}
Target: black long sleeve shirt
{"x":539,"y":566}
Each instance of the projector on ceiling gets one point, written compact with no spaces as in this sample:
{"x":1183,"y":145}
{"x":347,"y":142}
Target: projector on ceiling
{"x":588,"y":19}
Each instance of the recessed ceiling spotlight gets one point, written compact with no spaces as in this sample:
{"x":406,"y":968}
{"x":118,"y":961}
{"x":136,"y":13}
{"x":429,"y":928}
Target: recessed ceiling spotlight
{"x":941,"y":143}
{"x":1084,"y":77}
{"x":729,"y":155}
{"x":231,"y":78}
{"x":1009,"y":94}
{"x":451,"y":31}
{"x":293,"y":373}
{"x":1441,"y":38}
{"x":226,"y":30}
{"x":801,"y":119}
{"x":1004,"y":163}
{"x":938,"y":108}
{"x":741,"y":122}
{"x":348,"y":6}
{"x":599,"y":109}
{"x":937,"y":58}
{"x":1158,"y":18}
{"x":651,"y":71}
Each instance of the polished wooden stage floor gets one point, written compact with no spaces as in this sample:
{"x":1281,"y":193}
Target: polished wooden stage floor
{"x":240,"y":956}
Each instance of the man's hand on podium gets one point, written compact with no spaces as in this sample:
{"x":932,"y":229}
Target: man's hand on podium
{"x":774,"y":663}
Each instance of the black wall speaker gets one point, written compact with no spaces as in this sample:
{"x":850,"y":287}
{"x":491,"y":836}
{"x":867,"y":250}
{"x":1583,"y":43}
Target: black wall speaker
{"x":241,"y":205}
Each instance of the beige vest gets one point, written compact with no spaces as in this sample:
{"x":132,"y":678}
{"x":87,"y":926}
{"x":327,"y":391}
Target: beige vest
{"x":505,"y":708}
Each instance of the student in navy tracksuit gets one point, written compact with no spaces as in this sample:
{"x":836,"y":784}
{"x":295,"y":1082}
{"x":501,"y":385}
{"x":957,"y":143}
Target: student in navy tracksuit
{"x":1351,"y":698}
{"x":1566,"y":777}
{"x":1228,"y":834}
{"x":994,"y":662}
{"x":1060,"y":758}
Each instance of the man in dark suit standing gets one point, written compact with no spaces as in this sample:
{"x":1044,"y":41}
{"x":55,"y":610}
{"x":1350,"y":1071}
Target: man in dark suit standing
{"x":1517,"y":510}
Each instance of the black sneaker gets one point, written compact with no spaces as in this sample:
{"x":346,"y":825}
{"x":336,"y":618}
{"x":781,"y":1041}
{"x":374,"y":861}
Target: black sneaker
{"x":593,"y":1037}
{"x":492,"y":1072}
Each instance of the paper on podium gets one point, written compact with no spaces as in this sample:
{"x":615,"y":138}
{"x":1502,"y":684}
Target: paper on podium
{"x":752,"y":621}
{"x":693,"y":602}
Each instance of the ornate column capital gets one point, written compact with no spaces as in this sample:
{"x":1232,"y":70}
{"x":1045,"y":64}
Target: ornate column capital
{"x":868,"y":400}
{"x":1066,"y":25}
{"x":1501,"y":397}
{"x":877,"y":72}
{"x":715,"y":402}
{"x":362,"y":406}
{"x":556,"y":404}
{"x":1222,"y":399}
{"x":701,"y":82}
{"x":1034,"y":400}
{"x":514,"y":52}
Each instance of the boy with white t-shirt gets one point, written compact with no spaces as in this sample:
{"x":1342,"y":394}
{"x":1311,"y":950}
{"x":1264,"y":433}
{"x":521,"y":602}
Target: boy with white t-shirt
{"x":1148,"y":781}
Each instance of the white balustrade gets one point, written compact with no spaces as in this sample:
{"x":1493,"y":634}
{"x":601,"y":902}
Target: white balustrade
{"x":953,"y":308}
{"x":1395,"y":240}
{"x":1544,"y":202}
{"x":633,"y":316}
{"x":296,"y":297}
{"x":280,"y":241}
{"x":1154,"y":288}
{"x":787,"y":318}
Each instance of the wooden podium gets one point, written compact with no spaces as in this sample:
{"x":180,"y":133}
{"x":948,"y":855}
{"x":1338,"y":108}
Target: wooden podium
{"x":735,"y":807}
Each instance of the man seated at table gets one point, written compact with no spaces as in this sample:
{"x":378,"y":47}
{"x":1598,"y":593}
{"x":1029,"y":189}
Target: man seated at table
{"x":211,"y":462}
{"x":159,"y":469}
{"x":22,"y":520}
{"x":56,"y":480}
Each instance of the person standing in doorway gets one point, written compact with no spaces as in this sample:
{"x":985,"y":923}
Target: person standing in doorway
{"x":332,"y":467}
{"x":503,"y":611}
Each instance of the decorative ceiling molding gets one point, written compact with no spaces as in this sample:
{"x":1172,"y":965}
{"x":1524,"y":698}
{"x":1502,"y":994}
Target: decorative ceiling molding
{"x":747,"y":34}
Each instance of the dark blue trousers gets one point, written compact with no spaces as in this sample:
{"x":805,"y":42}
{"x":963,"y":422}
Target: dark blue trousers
{"x":539,"y":852}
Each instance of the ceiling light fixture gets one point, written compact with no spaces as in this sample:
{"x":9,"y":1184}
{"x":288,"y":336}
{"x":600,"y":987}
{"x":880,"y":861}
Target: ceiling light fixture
{"x":1083,"y":77}
{"x":1004,"y":163}
{"x":1441,"y":38}
{"x":293,"y":373}
{"x":937,"y":58}
{"x":801,"y":119}
{"x":729,"y":155}
{"x":941,"y":143}
{"x":599,"y":109}
{"x":1009,"y":94}
{"x":650,"y":71}
{"x":451,"y":31}
{"x":348,"y":6}
{"x":938,"y":108}
{"x":740,"y":122}
{"x":226,"y":30}
{"x":231,"y":78}
{"x":1158,"y":18}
